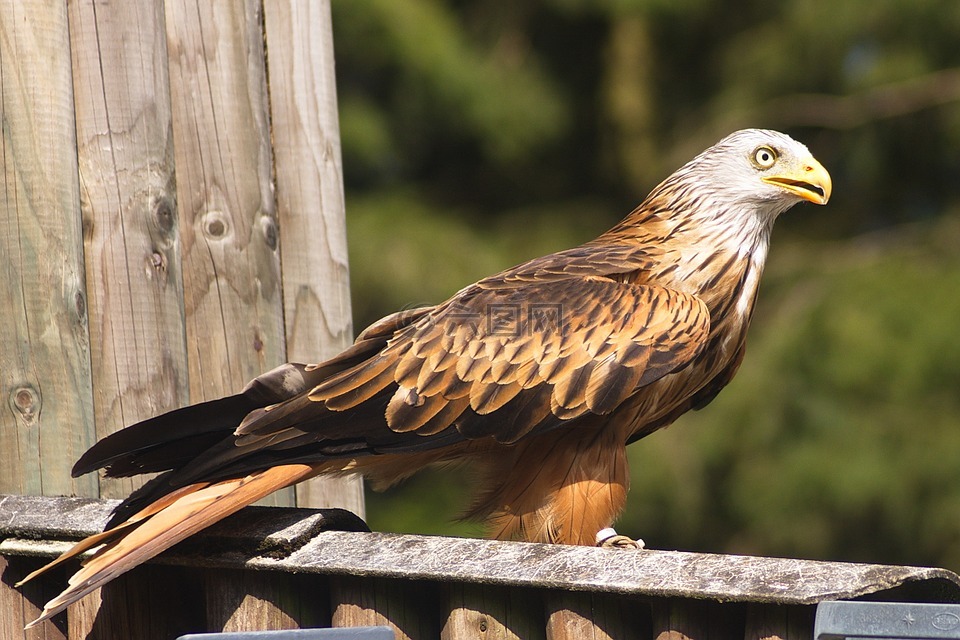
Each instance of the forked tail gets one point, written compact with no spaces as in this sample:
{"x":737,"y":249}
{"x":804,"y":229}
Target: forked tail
{"x":161,"y":525}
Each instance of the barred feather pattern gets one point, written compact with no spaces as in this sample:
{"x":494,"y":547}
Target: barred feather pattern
{"x":539,"y":375}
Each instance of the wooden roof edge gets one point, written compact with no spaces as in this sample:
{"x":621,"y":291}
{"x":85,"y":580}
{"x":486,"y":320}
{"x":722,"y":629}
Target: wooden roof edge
{"x":299,"y":540}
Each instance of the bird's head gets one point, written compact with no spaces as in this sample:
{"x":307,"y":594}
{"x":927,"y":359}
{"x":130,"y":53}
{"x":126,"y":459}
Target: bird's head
{"x":766,"y":169}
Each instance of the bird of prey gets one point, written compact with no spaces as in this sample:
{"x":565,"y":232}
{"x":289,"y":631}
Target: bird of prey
{"x":540,"y":375}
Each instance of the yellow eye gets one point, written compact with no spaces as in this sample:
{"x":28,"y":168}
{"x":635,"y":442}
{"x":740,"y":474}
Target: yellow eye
{"x":764,"y":157}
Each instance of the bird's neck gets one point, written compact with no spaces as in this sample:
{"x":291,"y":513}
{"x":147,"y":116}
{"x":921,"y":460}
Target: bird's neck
{"x":710,"y":257}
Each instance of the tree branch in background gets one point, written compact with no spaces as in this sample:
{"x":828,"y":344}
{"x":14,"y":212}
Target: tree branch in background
{"x":878,"y":103}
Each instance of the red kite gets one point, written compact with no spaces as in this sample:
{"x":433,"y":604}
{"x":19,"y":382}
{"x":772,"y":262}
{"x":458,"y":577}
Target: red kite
{"x":539,"y":375}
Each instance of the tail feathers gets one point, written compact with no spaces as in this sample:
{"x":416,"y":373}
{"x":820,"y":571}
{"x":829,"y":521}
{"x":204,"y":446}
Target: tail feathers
{"x":112,"y":531}
{"x":161,"y":525}
{"x":172,"y":439}
{"x":165,"y":431}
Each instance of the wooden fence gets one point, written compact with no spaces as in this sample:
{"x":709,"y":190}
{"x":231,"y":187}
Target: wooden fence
{"x":281,"y":568}
{"x":171,"y":218}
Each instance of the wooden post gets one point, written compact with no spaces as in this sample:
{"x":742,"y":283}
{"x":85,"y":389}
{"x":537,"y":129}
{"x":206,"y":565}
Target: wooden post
{"x":491,"y":613}
{"x":590,"y":616}
{"x":779,"y":622}
{"x":231,"y":261}
{"x":681,"y":619}
{"x":310,"y":205}
{"x":170,"y":240}
{"x":402,"y":605}
{"x":47,"y":416}
{"x":264,"y":600}
{"x":152,"y":602}
{"x":128,"y":202}
{"x":20,"y":606}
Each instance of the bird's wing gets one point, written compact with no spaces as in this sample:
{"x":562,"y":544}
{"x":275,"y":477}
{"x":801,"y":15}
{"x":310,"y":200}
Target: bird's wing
{"x":540,"y":345}
{"x":536,"y":355}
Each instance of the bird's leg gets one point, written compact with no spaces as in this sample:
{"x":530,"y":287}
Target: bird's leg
{"x":609,"y":539}
{"x":562,"y":490}
{"x":593,"y":491}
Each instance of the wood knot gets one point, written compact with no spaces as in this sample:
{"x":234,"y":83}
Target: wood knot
{"x":215,"y":225}
{"x":268,"y":226}
{"x":157,"y":261}
{"x":25,"y":400}
{"x":164,"y":214}
{"x":80,"y":303}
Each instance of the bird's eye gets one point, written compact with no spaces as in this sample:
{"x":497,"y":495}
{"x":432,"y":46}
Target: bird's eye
{"x":764,"y":157}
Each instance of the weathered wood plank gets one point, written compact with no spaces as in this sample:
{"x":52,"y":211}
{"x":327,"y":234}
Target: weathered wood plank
{"x":135,"y":605}
{"x":264,"y":600}
{"x":682,"y":619}
{"x":408,"y":609}
{"x":128,"y":202}
{"x":651,"y":574}
{"x":484,"y":611}
{"x":234,"y":600}
{"x":151,"y":602}
{"x":779,"y":622}
{"x":47,"y":417}
{"x":593,"y":616}
{"x":229,"y":238}
{"x":82,"y":615}
{"x":18,"y":606}
{"x":310,"y":204}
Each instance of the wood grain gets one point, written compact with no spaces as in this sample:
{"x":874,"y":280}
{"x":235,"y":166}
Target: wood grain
{"x":588,"y":616}
{"x":47,"y":417}
{"x":20,"y":605}
{"x":491,"y":613}
{"x":779,"y":622}
{"x":676,"y":619}
{"x":406,"y":607}
{"x":404,"y":580}
{"x":231,"y":261}
{"x":169,"y":240}
{"x":297,"y":547}
{"x":149,"y":603}
{"x":263,"y":600}
{"x":128,"y":203}
{"x":310,"y":203}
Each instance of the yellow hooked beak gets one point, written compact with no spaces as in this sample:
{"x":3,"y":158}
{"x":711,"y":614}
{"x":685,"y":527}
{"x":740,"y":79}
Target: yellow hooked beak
{"x":807,"y":179}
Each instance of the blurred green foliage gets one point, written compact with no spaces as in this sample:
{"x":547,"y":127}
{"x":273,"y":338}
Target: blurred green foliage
{"x":479,"y":133}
